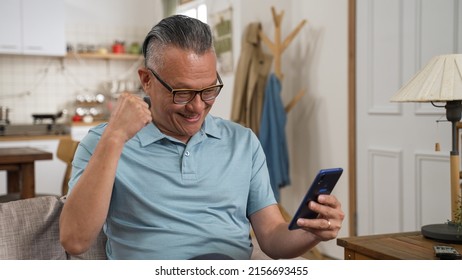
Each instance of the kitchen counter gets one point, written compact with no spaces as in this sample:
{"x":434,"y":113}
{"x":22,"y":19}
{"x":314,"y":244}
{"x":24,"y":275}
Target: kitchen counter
{"x":95,"y":123}
{"x":33,"y":137}
{"x":75,"y":130}
{"x":40,"y":129}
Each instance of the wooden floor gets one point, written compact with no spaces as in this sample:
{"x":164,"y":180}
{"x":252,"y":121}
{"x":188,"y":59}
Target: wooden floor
{"x":315,"y":255}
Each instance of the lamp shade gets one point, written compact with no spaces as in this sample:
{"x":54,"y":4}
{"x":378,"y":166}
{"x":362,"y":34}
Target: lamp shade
{"x":439,"y":80}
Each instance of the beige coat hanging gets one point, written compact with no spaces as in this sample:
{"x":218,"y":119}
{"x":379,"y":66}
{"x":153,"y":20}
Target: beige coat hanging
{"x":250,"y":80}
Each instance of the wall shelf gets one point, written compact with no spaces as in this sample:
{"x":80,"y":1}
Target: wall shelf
{"x":108,"y":56}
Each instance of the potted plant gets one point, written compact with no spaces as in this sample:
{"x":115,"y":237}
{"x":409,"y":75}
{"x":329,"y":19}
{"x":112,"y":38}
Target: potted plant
{"x":457,"y":221}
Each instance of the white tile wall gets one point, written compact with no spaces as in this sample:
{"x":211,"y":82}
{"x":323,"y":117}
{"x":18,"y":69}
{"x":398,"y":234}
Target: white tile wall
{"x":32,"y":84}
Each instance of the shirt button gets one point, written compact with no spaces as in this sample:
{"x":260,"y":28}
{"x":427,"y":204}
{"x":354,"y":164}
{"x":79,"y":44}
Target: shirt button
{"x":187,"y":153}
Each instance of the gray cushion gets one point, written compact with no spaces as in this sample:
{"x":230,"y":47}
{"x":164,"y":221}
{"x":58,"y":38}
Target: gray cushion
{"x":29,"y":229}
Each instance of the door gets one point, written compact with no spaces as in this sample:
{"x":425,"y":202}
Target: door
{"x":402,"y":182}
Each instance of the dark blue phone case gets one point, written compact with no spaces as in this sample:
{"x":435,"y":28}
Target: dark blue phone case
{"x":324,"y":183}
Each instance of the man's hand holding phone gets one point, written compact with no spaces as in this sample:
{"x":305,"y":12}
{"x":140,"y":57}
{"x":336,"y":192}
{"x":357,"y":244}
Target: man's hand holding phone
{"x":329,"y":220}
{"x":319,"y":212}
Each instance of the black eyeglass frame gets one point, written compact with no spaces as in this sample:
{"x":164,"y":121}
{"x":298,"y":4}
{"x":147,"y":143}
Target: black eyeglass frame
{"x":196,"y":91}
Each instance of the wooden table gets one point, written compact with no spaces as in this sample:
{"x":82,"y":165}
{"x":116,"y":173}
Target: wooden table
{"x":395,"y":246}
{"x":20,"y":166}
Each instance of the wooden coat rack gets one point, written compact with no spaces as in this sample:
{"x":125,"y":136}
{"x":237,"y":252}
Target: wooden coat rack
{"x":277,"y":48}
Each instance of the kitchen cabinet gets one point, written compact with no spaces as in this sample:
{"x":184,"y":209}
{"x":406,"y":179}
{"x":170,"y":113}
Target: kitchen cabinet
{"x":49,"y":174}
{"x":10,"y":26}
{"x":32,"y":27}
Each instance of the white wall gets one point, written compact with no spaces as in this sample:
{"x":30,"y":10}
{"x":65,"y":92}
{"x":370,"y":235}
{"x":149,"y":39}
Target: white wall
{"x":318,"y":127}
{"x":121,"y":13}
{"x":104,"y":21}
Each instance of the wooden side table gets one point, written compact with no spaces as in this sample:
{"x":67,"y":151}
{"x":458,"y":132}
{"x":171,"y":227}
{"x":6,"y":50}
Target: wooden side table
{"x":394,"y":246}
{"x":20,"y":166}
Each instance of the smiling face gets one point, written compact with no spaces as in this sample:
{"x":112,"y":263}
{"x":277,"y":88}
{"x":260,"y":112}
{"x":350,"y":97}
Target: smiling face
{"x":182,"y":69}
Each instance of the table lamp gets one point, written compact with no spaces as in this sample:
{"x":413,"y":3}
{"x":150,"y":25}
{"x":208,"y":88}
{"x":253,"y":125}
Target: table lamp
{"x":441,"y":81}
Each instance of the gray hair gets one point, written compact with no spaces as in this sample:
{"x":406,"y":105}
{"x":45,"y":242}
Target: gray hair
{"x":178,"y":31}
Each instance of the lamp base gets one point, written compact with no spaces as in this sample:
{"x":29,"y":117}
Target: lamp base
{"x":448,"y":233}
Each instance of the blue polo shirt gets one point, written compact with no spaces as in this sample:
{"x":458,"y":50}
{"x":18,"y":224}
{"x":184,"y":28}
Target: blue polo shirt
{"x":175,"y":201}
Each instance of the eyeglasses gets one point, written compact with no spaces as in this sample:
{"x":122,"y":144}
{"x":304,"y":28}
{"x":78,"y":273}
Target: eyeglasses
{"x":184,"y":96}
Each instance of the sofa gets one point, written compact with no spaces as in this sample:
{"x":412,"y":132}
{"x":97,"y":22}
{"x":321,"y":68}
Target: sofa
{"x":29,"y":229}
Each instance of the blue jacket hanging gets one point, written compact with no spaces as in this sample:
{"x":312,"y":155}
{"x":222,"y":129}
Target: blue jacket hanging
{"x":272,"y":135}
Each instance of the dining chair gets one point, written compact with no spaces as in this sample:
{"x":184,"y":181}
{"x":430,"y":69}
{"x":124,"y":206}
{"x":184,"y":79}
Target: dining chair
{"x":65,"y":152}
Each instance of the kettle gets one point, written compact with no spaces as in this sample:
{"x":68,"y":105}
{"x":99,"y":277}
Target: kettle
{"x":118,"y":47}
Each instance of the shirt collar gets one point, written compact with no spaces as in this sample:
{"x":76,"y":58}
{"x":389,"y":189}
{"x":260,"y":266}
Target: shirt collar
{"x":150,"y":133}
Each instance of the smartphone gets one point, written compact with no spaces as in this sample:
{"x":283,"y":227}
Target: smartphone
{"x":323,"y":183}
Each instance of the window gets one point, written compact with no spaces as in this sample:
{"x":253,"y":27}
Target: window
{"x":194,"y":8}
